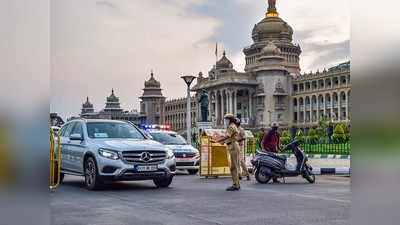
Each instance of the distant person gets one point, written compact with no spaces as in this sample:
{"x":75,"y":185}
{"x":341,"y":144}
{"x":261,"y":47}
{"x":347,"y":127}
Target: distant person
{"x":241,"y":140}
{"x":271,"y":141}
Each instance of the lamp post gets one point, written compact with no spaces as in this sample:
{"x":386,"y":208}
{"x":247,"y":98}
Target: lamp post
{"x":188,"y":80}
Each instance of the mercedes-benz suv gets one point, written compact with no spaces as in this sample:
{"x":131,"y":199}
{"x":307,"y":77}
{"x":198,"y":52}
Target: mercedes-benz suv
{"x":109,"y":150}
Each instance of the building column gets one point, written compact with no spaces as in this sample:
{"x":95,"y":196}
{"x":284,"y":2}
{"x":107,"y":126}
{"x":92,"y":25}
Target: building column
{"x":235,"y":102}
{"x":216,"y":108}
{"x":305,"y":107}
{"x":339,"y":106}
{"x":347,"y":106}
{"x":318,"y":108}
{"x":249,"y":106}
{"x":228,"y":101}
{"x":223,"y":100}
{"x":298,"y":110}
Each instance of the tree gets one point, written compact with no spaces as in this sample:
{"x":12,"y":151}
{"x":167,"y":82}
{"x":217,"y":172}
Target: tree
{"x":312,"y":136}
{"x":339,"y":135}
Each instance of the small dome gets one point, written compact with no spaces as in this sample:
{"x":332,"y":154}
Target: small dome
{"x":112,"y":97}
{"x":152,"y":82}
{"x":87,"y":104}
{"x":271,"y":49}
{"x":224,"y":63}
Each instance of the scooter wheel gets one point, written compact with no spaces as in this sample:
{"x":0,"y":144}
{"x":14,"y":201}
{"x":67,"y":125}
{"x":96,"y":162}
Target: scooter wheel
{"x":309,"y":176}
{"x":261,"y":178}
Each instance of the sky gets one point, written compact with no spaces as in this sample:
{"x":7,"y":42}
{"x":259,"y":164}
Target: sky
{"x":97,"y":45}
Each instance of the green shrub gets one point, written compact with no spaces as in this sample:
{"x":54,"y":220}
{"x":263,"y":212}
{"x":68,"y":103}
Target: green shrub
{"x":339,"y":135}
{"x":285,"y":138}
{"x":300,"y":136}
{"x":312,"y":136}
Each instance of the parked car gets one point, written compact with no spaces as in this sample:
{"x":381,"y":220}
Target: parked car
{"x":187,"y":157}
{"x":109,"y":150}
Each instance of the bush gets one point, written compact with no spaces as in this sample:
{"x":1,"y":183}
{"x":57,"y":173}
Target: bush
{"x":285,"y":138}
{"x":339,"y":135}
{"x":312,"y":137}
{"x":300,"y":136}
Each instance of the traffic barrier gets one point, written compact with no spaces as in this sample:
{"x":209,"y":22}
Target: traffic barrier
{"x":54,"y":161}
{"x":215,"y":159}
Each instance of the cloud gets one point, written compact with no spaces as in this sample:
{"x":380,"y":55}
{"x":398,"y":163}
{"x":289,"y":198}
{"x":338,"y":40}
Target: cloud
{"x":94,"y":50}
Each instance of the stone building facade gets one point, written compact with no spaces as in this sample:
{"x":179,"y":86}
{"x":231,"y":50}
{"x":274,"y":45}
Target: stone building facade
{"x":175,"y":113}
{"x":272,"y":88}
{"x":322,"y":94}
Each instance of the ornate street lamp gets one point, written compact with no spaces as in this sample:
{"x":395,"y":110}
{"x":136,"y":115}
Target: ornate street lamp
{"x":188,"y":80}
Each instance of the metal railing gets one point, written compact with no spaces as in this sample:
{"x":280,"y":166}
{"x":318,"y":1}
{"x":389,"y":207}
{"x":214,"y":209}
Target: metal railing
{"x":325,"y":148}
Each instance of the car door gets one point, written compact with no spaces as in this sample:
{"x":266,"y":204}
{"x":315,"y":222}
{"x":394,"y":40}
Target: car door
{"x":65,"y":157}
{"x":77,"y":148}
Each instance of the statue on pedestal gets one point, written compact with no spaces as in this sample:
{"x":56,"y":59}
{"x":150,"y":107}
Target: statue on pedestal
{"x":204,"y":106}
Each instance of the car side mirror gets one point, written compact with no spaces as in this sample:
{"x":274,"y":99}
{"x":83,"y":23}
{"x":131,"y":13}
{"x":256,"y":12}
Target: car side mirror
{"x":76,"y":137}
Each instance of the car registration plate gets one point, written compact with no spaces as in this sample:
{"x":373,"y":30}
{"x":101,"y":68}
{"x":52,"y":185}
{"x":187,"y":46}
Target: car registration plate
{"x":147,"y":168}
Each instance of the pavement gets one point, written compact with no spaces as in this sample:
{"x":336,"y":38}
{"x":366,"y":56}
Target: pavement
{"x":191,"y":200}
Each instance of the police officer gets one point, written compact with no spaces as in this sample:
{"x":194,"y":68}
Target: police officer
{"x":230,"y":139}
{"x":241,"y":140}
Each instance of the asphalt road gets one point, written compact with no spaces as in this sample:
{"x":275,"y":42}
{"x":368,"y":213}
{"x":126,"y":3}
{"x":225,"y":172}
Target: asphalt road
{"x":192,"y":200}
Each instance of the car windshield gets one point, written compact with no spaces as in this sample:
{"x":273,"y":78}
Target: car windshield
{"x":113,"y":130}
{"x":169,"y":138}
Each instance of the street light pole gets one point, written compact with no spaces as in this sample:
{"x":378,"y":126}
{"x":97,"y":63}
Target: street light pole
{"x":188,"y":80}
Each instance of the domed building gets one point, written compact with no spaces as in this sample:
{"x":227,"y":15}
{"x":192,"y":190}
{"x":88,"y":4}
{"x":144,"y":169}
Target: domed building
{"x":152,"y":102}
{"x":87,"y":107}
{"x":272,"y":88}
{"x":112,"y":104}
{"x":112,"y":110}
{"x":273,"y":29}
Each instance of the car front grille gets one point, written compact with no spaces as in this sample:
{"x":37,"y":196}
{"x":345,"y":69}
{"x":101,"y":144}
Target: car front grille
{"x":184,"y":154}
{"x":140,"y":156}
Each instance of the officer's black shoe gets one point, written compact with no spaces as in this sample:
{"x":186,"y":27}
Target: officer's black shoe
{"x":233,"y":188}
{"x":240,"y":178}
{"x":248,"y":177}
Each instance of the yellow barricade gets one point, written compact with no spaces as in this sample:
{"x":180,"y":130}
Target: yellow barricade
{"x":214,"y":156}
{"x":54,"y":161}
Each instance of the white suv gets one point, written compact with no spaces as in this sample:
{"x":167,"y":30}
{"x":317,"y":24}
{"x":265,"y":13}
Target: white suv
{"x":109,"y":150}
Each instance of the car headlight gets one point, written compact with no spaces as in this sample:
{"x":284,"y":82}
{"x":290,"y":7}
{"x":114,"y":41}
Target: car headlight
{"x":170,"y":153}
{"x":109,"y":154}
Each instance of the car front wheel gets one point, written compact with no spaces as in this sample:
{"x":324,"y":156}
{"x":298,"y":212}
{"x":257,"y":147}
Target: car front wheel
{"x":92,"y":179}
{"x":163,"y":182}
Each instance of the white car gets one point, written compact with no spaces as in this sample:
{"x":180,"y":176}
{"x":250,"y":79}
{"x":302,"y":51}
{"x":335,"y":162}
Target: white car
{"x":187,"y":157}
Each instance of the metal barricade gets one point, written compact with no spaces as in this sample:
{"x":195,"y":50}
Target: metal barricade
{"x":54,"y":161}
{"x":214,"y":160}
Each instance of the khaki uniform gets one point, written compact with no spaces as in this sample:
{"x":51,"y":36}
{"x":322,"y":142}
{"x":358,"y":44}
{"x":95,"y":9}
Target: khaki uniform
{"x":242,"y":161}
{"x":233,"y":149}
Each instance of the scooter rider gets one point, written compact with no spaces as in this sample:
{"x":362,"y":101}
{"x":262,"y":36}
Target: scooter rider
{"x":271,"y":141}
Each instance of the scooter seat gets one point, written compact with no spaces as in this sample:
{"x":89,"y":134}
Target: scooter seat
{"x":275,"y":156}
